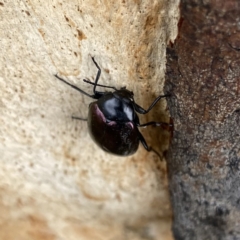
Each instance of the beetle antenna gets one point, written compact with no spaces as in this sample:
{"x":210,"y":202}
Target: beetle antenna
{"x":98,"y":75}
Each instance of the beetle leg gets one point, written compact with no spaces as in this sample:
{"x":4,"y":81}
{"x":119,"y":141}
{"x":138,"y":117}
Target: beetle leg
{"x":77,"y":88}
{"x":79,"y":118}
{"x":149,"y":149}
{"x":140,"y":110}
{"x":156,"y":124}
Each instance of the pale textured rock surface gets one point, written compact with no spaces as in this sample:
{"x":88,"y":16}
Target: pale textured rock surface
{"x":55,"y":182}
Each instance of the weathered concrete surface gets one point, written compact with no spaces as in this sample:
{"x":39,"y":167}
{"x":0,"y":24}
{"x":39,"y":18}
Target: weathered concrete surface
{"x":55,"y":182}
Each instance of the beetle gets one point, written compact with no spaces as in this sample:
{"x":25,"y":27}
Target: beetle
{"x":112,"y":119}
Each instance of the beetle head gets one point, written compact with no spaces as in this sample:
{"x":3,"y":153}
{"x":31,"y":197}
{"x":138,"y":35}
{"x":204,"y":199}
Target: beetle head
{"x":124,"y":93}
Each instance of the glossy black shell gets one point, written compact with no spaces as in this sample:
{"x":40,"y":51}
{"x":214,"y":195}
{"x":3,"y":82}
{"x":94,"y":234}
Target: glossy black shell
{"x":112,"y":119}
{"x":112,"y":123}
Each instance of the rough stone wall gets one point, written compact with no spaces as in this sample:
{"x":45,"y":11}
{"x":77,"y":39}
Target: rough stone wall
{"x":203,"y":162}
{"x":55,"y":182}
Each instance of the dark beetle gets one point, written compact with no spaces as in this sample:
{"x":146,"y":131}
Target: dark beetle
{"x":112,"y":119}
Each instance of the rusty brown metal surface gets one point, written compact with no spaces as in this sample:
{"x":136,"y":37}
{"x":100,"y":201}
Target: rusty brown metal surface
{"x":203,"y":76}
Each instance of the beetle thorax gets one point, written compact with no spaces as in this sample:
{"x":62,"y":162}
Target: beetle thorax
{"x":117,"y":106}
